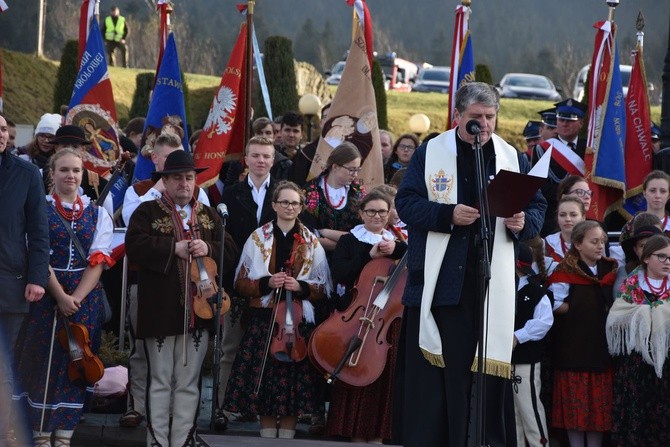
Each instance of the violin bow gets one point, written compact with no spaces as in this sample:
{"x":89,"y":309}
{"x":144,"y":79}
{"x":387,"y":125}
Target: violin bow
{"x":277,"y":294}
{"x":46,"y":382}
{"x":187,"y":295}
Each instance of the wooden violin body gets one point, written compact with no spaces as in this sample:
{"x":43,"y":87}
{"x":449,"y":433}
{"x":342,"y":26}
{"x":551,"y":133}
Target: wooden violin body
{"x":352,"y":346}
{"x":203,"y":272}
{"x":287,"y":343}
{"x":84,"y":365}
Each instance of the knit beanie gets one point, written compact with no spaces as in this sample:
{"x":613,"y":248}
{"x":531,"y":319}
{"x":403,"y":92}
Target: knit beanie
{"x":49,"y":124}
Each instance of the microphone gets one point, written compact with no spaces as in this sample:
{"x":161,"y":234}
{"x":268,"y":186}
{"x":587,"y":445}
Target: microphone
{"x":473,"y":127}
{"x":222,"y":209}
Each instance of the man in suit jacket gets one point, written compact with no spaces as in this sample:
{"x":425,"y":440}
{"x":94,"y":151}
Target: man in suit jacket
{"x":249,"y":205}
{"x":24,"y":258}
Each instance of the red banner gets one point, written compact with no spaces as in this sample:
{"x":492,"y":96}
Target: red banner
{"x":638,"y":152}
{"x":223,"y":134}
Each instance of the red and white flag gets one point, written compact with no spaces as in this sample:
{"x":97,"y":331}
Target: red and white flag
{"x":165,"y":10}
{"x":604,"y":157}
{"x":89,"y":8}
{"x":222,"y":137}
{"x":364,"y":18}
{"x":461,"y":27}
{"x":3,"y":6}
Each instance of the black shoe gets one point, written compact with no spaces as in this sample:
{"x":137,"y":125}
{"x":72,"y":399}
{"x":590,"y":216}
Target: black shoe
{"x":131,"y":419}
{"x":220,"y":421}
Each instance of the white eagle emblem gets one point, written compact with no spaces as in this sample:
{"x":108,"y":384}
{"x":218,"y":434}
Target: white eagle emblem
{"x":218,"y":120}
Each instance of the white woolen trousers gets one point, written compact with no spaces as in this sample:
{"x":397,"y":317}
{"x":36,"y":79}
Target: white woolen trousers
{"x":531,"y":422}
{"x":169,"y":378}
{"x":137,"y":362}
{"x":230,"y":341}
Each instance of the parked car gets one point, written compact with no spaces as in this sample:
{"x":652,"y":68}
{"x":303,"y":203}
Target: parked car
{"x":335,"y":73}
{"x":528,"y":86}
{"x":580,"y":80}
{"x":433,"y":79}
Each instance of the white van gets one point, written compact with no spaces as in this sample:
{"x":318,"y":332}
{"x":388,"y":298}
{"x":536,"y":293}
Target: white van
{"x":580,"y":81}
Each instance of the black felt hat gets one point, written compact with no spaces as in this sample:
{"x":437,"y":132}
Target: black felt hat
{"x":178,"y":161}
{"x":69,"y":134}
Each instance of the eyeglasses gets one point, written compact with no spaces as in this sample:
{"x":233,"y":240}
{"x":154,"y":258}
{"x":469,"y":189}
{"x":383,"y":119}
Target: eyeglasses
{"x":352,"y":171}
{"x":581,"y":192}
{"x":371,"y":213}
{"x":663,"y":258}
{"x":406,"y":147}
{"x":285,"y":204}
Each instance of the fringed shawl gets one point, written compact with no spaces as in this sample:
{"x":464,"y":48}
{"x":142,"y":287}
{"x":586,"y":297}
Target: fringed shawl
{"x":640,"y":322}
{"x":310,"y":264}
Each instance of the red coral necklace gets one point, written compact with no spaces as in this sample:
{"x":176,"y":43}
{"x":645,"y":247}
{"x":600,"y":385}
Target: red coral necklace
{"x":658,"y":291}
{"x":75,"y":213}
{"x":325,"y":191}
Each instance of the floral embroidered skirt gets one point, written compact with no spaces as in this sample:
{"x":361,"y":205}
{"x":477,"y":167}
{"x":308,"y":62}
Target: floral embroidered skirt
{"x":641,"y":402}
{"x":287,"y":389}
{"x":582,"y":400}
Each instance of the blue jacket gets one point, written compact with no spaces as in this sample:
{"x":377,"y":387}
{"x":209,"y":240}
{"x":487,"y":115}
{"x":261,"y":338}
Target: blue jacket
{"x":24,"y":232}
{"x":421,"y":216}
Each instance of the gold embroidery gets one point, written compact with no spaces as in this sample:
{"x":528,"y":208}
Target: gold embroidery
{"x":205,"y":221}
{"x":164,"y":225}
{"x":266,"y":252}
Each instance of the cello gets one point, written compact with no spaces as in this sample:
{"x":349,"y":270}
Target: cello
{"x":352,"y":346}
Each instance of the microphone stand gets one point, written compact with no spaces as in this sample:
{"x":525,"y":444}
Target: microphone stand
{"x":483,"y":243}
{"x":217,"y":329}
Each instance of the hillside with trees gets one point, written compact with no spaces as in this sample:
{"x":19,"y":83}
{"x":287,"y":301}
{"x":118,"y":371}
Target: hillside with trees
{"x":550,"y":38}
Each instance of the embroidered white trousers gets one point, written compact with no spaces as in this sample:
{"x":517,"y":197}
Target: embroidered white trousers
{"x":170,"y":379}
{"x":531,"y":422}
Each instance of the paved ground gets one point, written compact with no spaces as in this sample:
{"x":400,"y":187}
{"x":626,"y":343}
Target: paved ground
{"x":102,"y":430}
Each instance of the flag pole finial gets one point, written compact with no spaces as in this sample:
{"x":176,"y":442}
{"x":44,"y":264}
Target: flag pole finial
{"x":639,"y":22}
{"x":612,"y":5}
{"x":466,"y":3}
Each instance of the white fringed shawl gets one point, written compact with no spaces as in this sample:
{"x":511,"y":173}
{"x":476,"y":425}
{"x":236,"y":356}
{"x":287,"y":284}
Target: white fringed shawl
{"x":635,"y":324}
{"x":312,"y":263}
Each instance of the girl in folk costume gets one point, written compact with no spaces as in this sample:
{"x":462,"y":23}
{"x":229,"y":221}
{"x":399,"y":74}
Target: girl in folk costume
{"x":75,"y":291}
{"x":331,"y":207}
{"x":570,"y":212}
{"x":638,"y":329}
{"x":364,"y":414}
{"x":645,"y":225}
{"x":656,"y":191}
{"x":260,"y":383}
{"x":582,"y":287}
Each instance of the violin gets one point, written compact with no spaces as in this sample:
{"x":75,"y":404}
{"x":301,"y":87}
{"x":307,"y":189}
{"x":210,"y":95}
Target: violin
{"x":203,"y":269}
{"x":287,"y":344}
{"x":352,"y":346}
{"x":84,"y":366}
{"x":203,"y":272}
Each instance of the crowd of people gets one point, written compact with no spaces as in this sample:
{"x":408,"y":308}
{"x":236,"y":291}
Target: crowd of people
{"x":577,"y":334}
